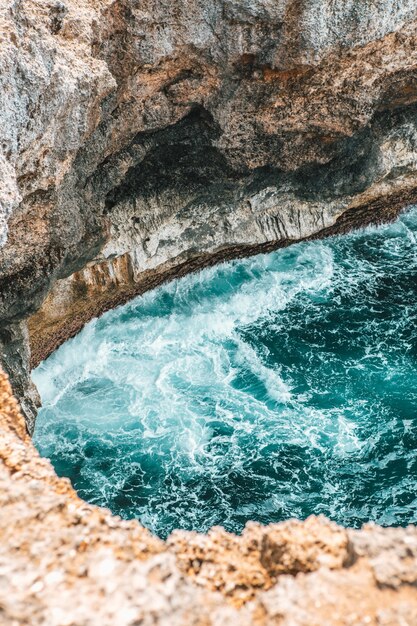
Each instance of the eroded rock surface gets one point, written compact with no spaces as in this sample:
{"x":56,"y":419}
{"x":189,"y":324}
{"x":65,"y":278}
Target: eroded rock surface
{"x":142,"y":140}
{"x":66,"y":563}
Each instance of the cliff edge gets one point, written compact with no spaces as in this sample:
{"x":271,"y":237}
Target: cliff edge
{"x":66,"y":563}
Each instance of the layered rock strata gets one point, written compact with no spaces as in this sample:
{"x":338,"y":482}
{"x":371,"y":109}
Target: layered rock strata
{"x":145,"y":139}
{"x":142,"y":140}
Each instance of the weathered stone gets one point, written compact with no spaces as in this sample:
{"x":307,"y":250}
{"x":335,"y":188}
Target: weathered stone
{"x":65,"y":562}
{"x":142,"y":140}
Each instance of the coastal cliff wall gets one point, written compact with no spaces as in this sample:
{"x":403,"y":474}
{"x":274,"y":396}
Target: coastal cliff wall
{"x":141,"y":140}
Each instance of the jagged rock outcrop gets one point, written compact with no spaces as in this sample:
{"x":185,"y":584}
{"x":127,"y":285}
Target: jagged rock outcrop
{"x":144,"y":139}
{"x":64,"y":562}
{"x":141,"y":140}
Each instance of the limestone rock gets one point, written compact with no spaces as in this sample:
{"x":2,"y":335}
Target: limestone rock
{"x":67,"y":563}
{"x":145,"y":139}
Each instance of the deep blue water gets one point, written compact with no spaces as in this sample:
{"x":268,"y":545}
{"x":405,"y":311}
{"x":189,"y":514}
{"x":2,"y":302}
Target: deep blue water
{"x":263,"y":389}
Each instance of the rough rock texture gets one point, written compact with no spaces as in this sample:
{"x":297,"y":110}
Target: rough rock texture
{"x":66,"y":563}
{"x":142,"y":139}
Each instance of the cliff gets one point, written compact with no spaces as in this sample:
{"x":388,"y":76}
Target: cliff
{"x":142,"y":140}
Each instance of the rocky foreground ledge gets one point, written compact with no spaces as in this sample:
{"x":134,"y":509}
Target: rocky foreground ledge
{"x":142,"y":139}
{"x":66,"y":563}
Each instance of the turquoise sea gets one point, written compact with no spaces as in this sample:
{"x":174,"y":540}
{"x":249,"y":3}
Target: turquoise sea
{"x":274,"y":387}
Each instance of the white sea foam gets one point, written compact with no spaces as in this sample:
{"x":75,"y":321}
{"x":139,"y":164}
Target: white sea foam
{"x":262,"y":388}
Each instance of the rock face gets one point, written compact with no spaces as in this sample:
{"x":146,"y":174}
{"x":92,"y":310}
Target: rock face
{"x":141,"y":140}
{"x":144,"y":139}
{"x":64,"y":562}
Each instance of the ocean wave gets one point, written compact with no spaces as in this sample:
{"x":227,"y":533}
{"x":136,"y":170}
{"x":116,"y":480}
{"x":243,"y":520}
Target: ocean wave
{"x":277,"y":386}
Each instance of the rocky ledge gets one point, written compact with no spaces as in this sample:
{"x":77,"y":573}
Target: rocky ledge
{"x":143,"y":139}
{"x":66,"y":563}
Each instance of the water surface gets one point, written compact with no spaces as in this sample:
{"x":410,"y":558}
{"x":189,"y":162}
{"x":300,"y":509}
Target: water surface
{"x":263,"y":389}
